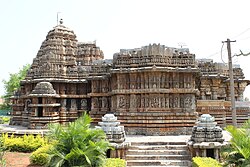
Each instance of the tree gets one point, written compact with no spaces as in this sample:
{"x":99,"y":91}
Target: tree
{"x":13,"y":84}
{"x":238,"y":153}
{"x":77,"y":144}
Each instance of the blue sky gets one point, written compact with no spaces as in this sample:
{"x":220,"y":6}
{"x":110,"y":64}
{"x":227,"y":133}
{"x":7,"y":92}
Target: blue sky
{"x":121,"y":24}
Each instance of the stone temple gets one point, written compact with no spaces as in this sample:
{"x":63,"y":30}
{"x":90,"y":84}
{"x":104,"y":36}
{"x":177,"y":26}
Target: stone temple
{"x":152,"y":90}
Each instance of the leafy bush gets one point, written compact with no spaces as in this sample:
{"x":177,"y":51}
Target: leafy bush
{"x":238,"y":153}
{"x":77,"y":144}
{"x":111,"y":162}
{"x":26,"y":143}
{"x":2,"y":152}
{"x":4,"y":120}
{"x":40,"y":156}
{"x":205,"y":162}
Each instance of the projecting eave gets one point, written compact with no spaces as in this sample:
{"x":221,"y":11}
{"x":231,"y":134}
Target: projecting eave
{"x":54,"y":80}
{"x":238,"y":80}
{"x":213,"y":76}
{"x":43,"y":95}
{"x":154,"y":68}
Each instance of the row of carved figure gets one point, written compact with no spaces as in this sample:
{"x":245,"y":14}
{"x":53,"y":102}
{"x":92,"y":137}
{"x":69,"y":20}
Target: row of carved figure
{"x":146,"y":101}
{"x":163,"y":60}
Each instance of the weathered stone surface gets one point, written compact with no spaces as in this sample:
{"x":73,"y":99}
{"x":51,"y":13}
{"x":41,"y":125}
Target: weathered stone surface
{"x":206,"y":139}
{"x":206,"y":130}
{"x":114,"y":132}
{"x":153,"y":90}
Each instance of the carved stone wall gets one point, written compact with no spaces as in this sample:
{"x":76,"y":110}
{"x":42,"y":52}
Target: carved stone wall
{"x":152,"y":90}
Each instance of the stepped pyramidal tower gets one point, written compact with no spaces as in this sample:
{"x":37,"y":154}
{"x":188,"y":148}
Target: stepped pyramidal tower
{"x":152,"y":90}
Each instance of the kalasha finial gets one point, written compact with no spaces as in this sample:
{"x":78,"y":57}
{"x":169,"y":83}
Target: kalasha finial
{"x":61,"y":21}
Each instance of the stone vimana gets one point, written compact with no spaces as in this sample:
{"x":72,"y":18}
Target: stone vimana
{"x":152,"y":90}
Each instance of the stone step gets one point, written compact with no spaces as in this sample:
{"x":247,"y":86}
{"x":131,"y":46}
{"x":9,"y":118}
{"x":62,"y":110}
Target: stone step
{"x":161,"y":165}
{"x":158,"y":157}
{"x":157,"y":143}
{"x":158,"y":147}
{"x":182,"y":163}
{"x":157,"y":152}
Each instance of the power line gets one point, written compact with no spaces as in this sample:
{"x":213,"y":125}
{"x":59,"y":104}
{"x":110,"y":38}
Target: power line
{"x":221,"y":53}
{"x":242,"y":39}
{"x":243,"y":32}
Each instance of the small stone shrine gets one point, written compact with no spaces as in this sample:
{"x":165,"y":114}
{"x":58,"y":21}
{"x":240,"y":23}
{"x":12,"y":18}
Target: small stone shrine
{"x":206,"y":139}
{"x":115,"y":134}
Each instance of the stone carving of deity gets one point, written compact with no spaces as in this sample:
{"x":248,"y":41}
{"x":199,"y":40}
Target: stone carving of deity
{"x":138,"y":102}
{"x":162,"y":102}
{"x":104,"y":102}
{"x":167,"y":102}
{"x":176,"y":102}
{"x":156,"y":102}
{"x":146,"y":102}
{"x":27,"y":103}
{"x":95,"y":102}
{"x":188,"y":102}
{"x":142,"y":102}
{"x":83,"y":103}
{"x":122,"y":102}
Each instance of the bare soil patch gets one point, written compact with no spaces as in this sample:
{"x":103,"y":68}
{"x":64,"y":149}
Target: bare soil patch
{"x":17,"y":159}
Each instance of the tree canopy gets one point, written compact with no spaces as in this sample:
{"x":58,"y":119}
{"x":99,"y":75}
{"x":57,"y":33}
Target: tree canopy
{"x":13,"y":84}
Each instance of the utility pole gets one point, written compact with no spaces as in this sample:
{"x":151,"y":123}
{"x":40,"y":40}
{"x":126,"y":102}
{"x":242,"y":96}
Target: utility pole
{"x":234,"y":117}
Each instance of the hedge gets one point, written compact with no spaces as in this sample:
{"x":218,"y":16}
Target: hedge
{"x":40,"y":156}
{"x":26,"y":143}
{"x":205,"y":162}
{"x":117,"y":162}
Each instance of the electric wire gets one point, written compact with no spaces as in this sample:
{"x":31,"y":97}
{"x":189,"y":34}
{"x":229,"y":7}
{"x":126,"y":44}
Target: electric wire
{"x":221,"y":52}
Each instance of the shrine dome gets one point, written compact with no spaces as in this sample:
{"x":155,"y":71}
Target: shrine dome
{"x":61,"y":31}
{"x":43,"y":88}
{"x":59,"y":41}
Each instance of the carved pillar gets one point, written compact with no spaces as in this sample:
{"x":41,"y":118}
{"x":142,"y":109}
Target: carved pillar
{"x":216,"y":154}
{"x":104,"y":102}
{"x":142,"y":80}
{"x":142,"y":101}
{"x":73,"y":104}
{"x":214,"y":93}
{"x":197,"y":153}
{"x":94,"y":102}
{"x":132,"y":101}
{"x":162,"y":80}
{"x":162,"y":100}
{"x":204,"y":153}
{"x":167,"y":101}
{"x":159,"y":80}
{"x":146,"y":81}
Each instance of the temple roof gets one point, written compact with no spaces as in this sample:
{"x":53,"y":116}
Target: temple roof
{"x":61,"y":56}
{"x":43,"y":89}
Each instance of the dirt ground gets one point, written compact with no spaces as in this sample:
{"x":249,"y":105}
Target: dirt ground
{"x":15,"y":159}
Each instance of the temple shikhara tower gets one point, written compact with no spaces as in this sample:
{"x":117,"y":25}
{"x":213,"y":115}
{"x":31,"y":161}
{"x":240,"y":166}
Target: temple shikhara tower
{"x":152,"y":90}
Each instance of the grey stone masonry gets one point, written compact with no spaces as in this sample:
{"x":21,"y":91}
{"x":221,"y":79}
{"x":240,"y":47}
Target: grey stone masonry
{"x":110,"y":126}
{"x":206,"y":130}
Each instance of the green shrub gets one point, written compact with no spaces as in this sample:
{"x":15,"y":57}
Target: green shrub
{"x":115,"y":162}
{"x":205,"y":162}
{"x":2,"y":153}
{"x":26,"y":143}
{"x":77,"y":144}
{"x":40,"y":156}
{"x":4,"y":120}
